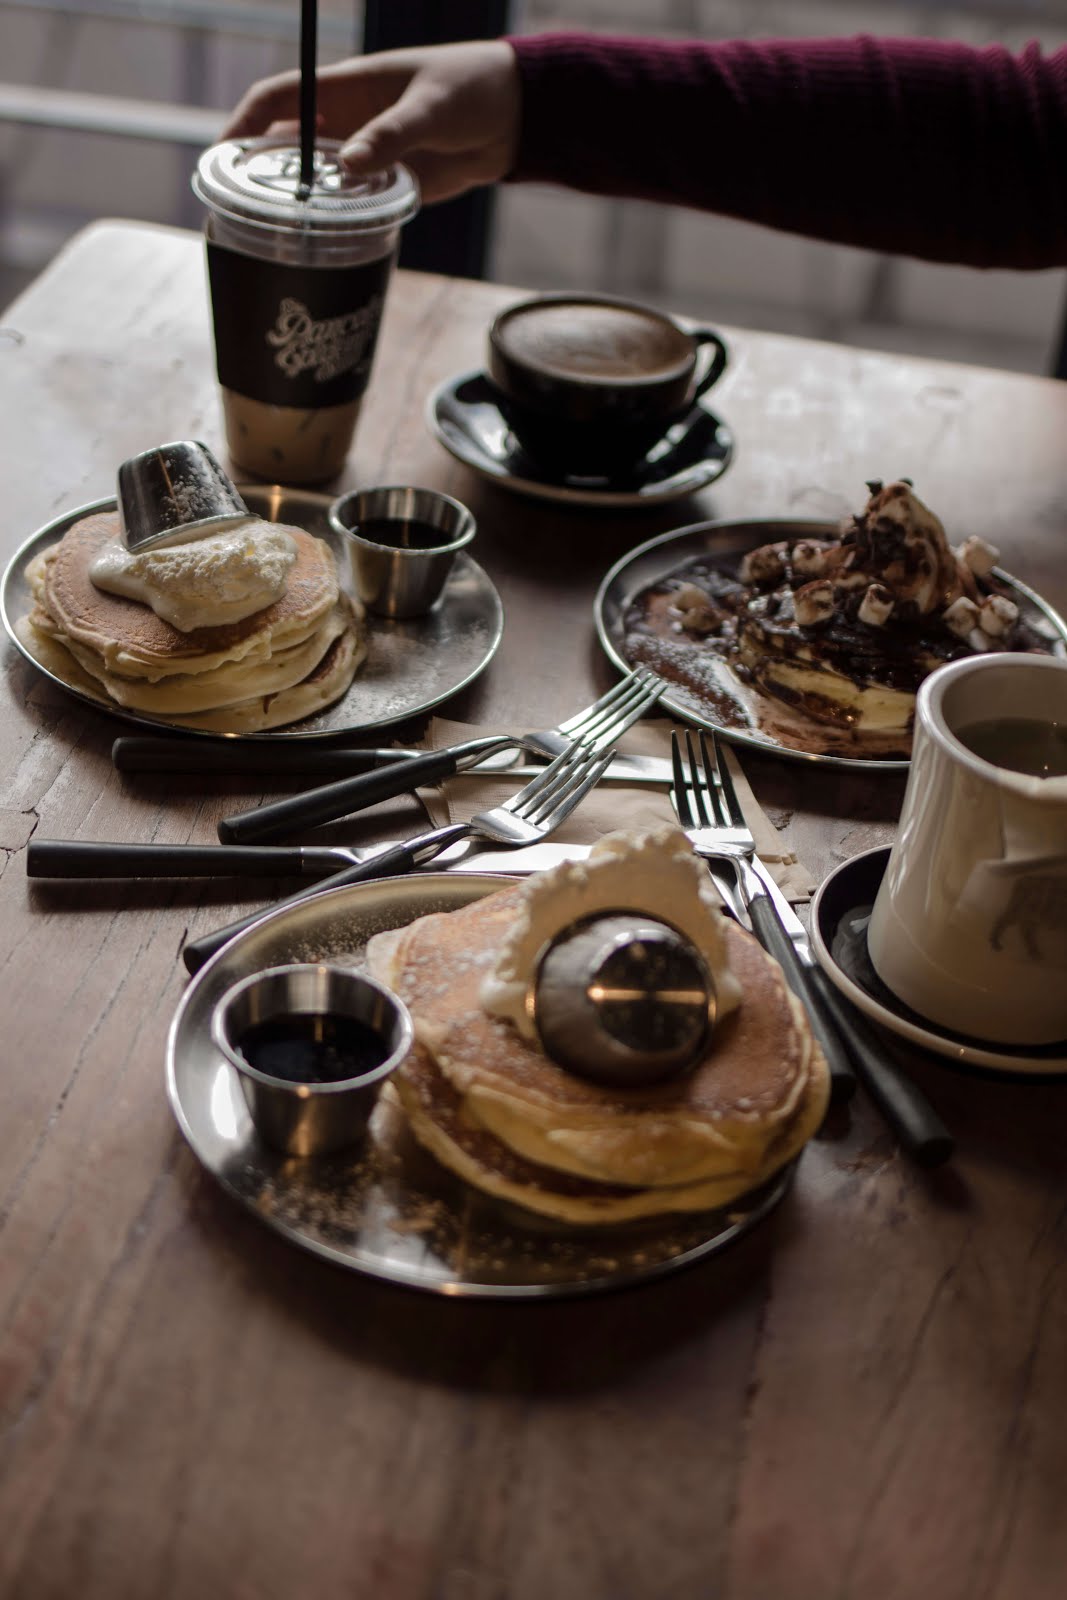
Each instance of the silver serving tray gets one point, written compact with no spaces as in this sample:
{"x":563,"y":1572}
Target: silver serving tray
{"x":727,"y":542}
{"x":388,"y":1209}
{"x":410,"y":666}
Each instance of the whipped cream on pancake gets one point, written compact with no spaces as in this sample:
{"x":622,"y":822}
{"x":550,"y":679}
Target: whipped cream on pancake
{"x":202,"y":583}
{"x":655,"y":873}
{"x":824,"y":642}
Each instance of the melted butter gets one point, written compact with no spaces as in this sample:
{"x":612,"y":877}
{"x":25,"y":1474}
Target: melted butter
{"x":205,"y":582}
{"x":655,"y":873}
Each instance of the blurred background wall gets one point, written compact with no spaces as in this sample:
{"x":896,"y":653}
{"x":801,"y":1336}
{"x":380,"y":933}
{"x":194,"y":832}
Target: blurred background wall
{"x":163,"y":71}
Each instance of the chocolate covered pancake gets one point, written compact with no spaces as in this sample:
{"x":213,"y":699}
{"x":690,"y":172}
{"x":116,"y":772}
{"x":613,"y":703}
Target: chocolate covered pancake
{"x":823,"y":643}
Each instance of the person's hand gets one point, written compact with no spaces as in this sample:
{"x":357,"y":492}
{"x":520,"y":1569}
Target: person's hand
{"x":450,"y":112}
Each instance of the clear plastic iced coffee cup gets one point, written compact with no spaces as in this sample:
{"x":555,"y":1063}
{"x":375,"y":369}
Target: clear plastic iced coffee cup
{"x":298,"y":285}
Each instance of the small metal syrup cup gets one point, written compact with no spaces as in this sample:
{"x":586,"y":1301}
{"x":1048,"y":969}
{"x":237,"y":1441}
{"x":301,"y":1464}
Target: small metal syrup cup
{"x":394,"y":579}
{"x":306,"y":1119}
{"x":175,"y":493}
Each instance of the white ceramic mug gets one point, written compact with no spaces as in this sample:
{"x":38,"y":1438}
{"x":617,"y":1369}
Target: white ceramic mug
{"x":969,"y":927}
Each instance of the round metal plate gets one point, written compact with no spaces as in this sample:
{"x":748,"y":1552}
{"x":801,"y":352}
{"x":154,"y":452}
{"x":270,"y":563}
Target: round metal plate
{"x":727,"y":542}
{"x":410,"y":666}
{"x":388,"y":1209}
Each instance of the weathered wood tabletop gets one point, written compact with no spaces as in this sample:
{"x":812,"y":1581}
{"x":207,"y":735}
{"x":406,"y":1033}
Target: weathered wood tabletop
{"x":864,"y":1398}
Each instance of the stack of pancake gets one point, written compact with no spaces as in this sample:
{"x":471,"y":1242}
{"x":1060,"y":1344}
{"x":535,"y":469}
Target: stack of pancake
{"x":282,"y":662}
{"x":494,"y":1109}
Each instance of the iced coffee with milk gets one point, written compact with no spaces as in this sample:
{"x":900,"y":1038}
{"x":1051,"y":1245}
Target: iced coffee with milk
{"x":298,"y":283}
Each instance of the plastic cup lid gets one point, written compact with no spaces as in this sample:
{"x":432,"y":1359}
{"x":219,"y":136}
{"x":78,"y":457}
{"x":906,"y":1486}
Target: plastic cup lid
{"x":258,"y":180}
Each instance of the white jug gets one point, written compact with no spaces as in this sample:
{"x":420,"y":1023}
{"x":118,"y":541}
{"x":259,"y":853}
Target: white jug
{"x":969,"y":927}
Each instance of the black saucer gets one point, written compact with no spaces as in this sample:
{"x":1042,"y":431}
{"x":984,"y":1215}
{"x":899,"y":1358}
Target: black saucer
{"x":840,"y":913}
{"x":463,"y":415}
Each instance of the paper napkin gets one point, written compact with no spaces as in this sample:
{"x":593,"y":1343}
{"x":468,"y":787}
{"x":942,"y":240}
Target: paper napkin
{"x":610,"y":806}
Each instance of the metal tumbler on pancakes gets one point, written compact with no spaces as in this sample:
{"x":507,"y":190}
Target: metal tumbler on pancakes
{"x":174,"y":493}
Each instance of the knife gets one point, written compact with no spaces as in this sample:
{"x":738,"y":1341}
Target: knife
{"x":900,"y":1101}
{"x":81,"y":858}
{"x":398,"y":858}
{"x":287,"y":758}
{"x":295,"y":760}
{"x":330,"y":801}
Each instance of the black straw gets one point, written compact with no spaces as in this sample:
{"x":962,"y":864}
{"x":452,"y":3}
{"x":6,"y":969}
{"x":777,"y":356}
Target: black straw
{"x":308,"y":87}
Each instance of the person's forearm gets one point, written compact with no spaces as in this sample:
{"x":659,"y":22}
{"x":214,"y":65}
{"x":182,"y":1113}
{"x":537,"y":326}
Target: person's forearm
{"x":917,"y":147}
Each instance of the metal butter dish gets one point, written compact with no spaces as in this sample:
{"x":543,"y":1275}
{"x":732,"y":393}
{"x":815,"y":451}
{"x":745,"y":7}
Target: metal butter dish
{"x":410,"y":666}
{"x":387,"y":1209}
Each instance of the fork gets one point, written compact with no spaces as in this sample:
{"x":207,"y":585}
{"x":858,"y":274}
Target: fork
{"x":701,"y":804}
{"x":596,"y":727}
{"x":707,"y":806}
{"x":527,"y":817}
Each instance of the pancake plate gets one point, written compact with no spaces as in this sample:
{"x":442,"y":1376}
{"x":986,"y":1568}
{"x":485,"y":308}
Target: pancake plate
{"x":389,"y":1210}
{"x":410,"y":666}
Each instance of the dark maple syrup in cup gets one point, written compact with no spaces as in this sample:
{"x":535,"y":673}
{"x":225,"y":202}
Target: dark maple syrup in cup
{"x":402,"y":533}
{"x":312,"y":1047}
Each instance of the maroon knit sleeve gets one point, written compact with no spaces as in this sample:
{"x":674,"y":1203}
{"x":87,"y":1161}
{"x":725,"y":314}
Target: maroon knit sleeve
{"x":911,"y":146}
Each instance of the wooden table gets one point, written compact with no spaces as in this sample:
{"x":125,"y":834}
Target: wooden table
{"x":865,"y":1398}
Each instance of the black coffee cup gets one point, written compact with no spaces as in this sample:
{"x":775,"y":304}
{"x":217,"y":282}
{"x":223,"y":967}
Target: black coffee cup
{"x":589,"y":383}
